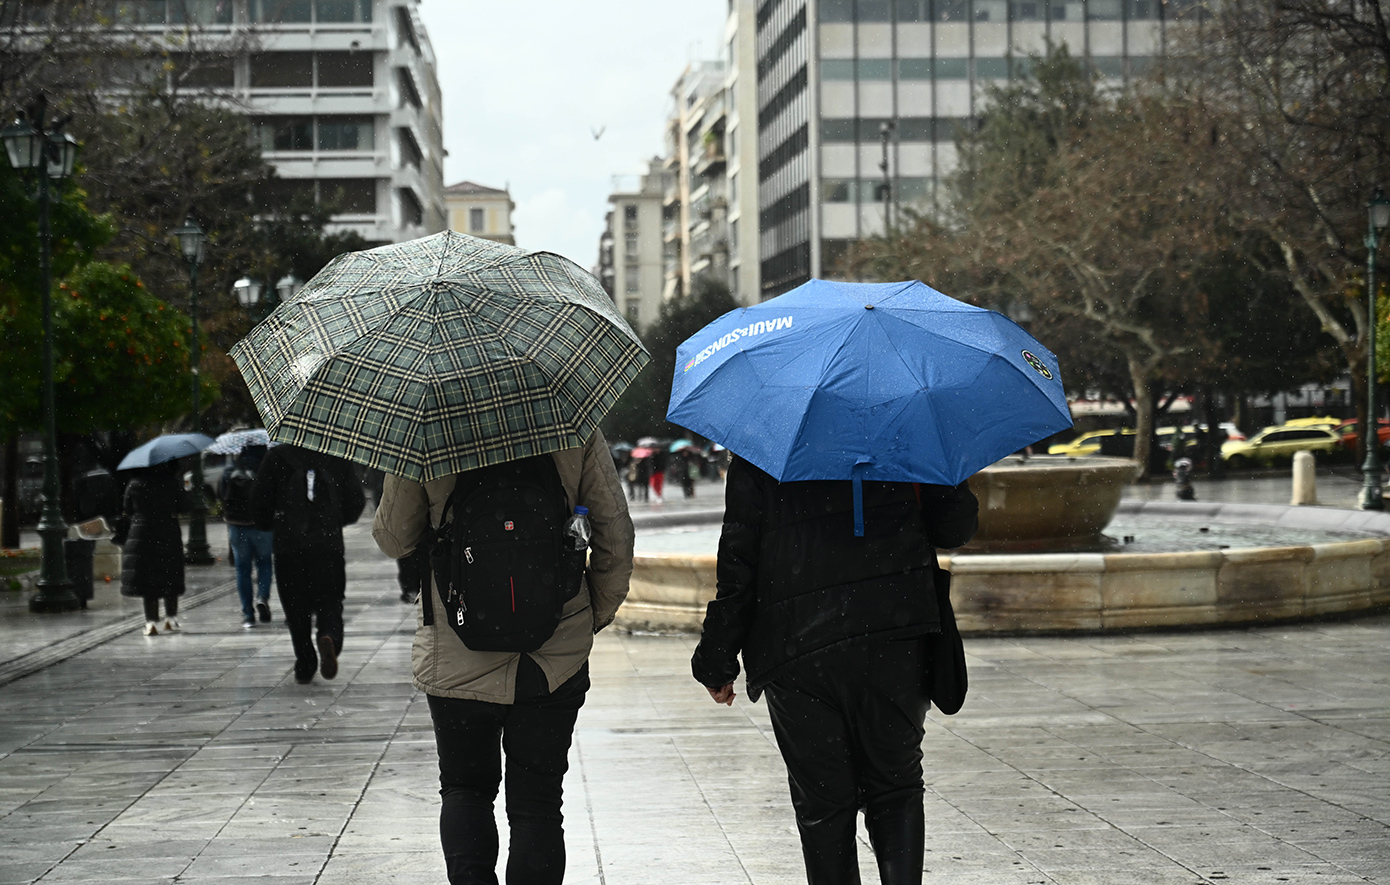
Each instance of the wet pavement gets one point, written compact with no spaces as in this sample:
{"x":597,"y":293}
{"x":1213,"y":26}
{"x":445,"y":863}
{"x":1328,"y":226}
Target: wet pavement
{"x":1254,"y":755}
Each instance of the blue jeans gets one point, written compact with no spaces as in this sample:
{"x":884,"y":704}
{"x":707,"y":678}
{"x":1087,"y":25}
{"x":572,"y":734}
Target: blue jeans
{"x":250,"y":543}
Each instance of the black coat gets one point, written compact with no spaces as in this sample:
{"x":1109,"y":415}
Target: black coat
{"x":794,"y":580}
{"x":152,"y":554}
{"x":308,"y":541}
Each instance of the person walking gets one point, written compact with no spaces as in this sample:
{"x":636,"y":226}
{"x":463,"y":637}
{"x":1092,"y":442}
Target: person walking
{"x":486,"y":704}
{"x":835,"y":629}
{"x":305,"y":498}
{"x":152,"y":544}
{"x":250,"y":546}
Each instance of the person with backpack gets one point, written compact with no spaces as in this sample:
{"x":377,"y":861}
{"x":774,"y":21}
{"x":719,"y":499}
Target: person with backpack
{"x":250,"y":545}
{"x":305,"y":498}
{"x":503,"y":638}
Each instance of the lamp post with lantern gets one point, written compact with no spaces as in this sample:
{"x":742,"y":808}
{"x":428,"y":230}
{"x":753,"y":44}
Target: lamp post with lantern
{"x":193,"y":245}
{"x":34,"y":145}
{"x":248,"y":292}
{"x":1378,"y":217}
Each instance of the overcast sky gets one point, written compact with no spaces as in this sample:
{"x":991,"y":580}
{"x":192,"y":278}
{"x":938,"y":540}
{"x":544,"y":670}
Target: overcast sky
{"x":527,"y":84}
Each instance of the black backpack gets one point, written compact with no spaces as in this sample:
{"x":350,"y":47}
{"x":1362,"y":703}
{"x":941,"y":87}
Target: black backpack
{"x":310,"y":520}
{"x":236,"y":495}
{"x":501,"y":565}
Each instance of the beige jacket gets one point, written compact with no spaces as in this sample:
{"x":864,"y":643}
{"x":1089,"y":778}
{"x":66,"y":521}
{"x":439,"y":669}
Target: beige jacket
{"x":441,"y":663}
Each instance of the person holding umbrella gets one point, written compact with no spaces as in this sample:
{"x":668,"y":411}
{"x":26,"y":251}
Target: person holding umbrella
{"x":438,"y":361}
{"x":148,"y":527}
{"x":855,"y":413}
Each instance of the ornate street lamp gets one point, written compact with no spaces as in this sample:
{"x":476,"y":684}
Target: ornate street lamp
{"x":1378,"y":217}
{"x":193,"y":243}
{"x":50,"y":155}
{"x":288,"y":286}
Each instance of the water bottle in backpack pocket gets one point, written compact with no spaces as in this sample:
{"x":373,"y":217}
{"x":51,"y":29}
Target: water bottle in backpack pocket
{"x":504,"y":563}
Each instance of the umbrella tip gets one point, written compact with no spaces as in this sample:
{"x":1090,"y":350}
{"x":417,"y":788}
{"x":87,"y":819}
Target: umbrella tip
{"x":868,"y":307}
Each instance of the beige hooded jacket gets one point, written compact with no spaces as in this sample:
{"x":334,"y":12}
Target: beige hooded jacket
{"x":441,"y":663}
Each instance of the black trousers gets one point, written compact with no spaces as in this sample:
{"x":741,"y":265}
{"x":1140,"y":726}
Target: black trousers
{"x":849,"y":723}
{"x":171,"y":607}
{"x":311,"y":586}
{"x":535,"y":734}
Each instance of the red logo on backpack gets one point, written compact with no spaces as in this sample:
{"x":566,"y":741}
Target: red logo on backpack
{"x":509,"y":525}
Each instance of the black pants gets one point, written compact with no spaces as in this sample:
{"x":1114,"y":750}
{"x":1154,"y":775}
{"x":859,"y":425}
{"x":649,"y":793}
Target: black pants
{"x":311,"y":588}
{"x":849,"y":723}
{"x":171,"y":607}
{"x":535,"y":734}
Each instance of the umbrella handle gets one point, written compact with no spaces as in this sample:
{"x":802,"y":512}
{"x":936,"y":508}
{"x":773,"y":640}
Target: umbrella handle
{"x":857,"y":478}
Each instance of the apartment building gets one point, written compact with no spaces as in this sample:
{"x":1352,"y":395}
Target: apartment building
{"x":632,"y":264}
{"x":481,"y":211}
{"x":858,"y":103}
{"x":342,"y":95}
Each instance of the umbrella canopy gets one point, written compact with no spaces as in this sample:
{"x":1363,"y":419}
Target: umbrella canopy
{"x":233,"y":441}
{"x":164,"y":448}
{"x":643,"y":452}
{"x":440,"y":355}
{"x":680,"y":444}
{"x":888,"y":381}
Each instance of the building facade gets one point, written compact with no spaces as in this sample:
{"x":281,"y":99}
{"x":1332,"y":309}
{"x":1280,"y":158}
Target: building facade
{"x":859,"y":101}
{"x":481,"y":211}
{"x":342,"y":95}
{"x":632,"y":264}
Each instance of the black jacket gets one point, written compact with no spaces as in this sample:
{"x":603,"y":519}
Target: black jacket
{"x":152,"y":553}
{"x":794,"y":580}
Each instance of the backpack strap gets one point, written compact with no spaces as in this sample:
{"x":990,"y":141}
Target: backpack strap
{"x":430,"y":539}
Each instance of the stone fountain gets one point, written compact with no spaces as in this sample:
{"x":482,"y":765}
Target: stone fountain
{"x":1029,"y":570}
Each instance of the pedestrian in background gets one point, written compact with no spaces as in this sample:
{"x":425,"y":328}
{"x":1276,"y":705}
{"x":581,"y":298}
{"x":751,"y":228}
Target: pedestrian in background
{"x":305,"y":498}
{"x":834,"y":629}
{"x":250,"y":546}
{"x":152,"y":544}
{"x":658,"y":474}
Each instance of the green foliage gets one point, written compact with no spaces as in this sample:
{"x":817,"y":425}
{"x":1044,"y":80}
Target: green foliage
{"x":113,"y":338}
{"x":641,"y":410}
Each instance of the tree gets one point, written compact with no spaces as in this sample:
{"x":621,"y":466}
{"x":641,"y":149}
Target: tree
{"x":641,"y":410}
{"x":1296,"y":97}
{"x":1078,"y":204}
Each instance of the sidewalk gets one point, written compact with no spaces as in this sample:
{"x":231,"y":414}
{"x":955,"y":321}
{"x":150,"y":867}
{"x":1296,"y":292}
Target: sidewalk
{"x":1254,"y":756}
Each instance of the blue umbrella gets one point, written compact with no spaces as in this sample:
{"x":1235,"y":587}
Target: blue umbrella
{"x":164,"y":448}
{"x":887,"y":381}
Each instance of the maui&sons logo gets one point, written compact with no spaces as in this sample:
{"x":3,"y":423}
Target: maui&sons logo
{"x":758,"y":328}
{"x":1037,"y":364}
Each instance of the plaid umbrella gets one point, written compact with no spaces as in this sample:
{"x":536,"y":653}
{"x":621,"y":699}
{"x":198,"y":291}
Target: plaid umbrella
{"x":233,"y":441}
{"x":440,"y":355}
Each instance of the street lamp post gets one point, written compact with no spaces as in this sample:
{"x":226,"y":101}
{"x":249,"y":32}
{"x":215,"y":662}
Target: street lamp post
{"x":248,"y":292}
{"x":52,"y":153}
{"x":192,"y":243}
{"x":1378,"y":216}
{"x":885,"y":131}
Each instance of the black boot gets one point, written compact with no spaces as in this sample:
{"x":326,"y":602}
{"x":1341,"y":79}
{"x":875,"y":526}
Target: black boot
{"x":897,"y":832}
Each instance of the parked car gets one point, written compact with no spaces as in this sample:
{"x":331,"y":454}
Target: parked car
{"x":1280,"y":441}
{"x":214,"y":466}
{"x":1350,"y":431}
{"x":1087,"y":443}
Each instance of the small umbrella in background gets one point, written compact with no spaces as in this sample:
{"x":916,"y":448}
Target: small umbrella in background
{"x":681,"y":444}
{"x":168,"y":447}
{"x":440,"y":355}
{"x":890,"y":381}
{"x":233,"y":441}
{"x":643,"y":452}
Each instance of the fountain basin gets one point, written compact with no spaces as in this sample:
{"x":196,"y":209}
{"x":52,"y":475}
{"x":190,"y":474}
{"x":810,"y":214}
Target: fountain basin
{"x":1061,"y":592}
{"x":1048,"y":503}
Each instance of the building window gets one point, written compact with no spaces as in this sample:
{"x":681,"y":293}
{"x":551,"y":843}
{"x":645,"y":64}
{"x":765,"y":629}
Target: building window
{"x":475,"y":220}
{"x":283,"y":11}
{"x":412,"y":213}
{"x":630,"y":214}
{"x":285,"y":133}
{"x":344,"y":11}
{"x":344,"y":69}
{"x":632,"y":280}
{"x":351,"y":196}
{"x":346,"y":134}
{"x":204,"y":71}
{"x":630,"y":244}
{"x":200,"y":12}
{"x":282,"y":70}
{"x":633,"y":311}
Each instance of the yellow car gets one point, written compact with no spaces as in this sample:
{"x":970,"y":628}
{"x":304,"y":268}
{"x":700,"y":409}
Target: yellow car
{"x":1086,"y":443}
{"x":1280,"y":441}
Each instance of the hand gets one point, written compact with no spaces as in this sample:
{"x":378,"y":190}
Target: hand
{"x":723,"y":695}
